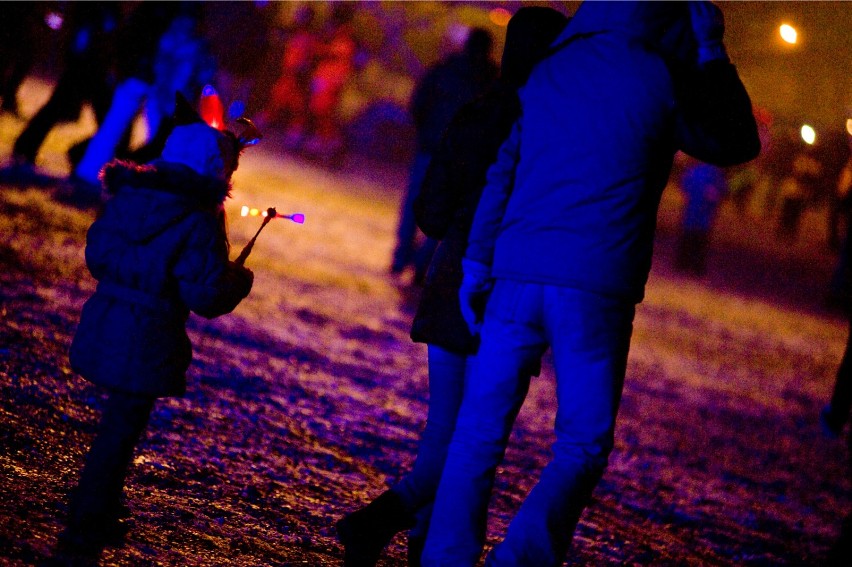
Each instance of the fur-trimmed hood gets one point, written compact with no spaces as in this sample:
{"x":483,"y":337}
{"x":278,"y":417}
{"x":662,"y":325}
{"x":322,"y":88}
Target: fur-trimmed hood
{"x":169,"y":177}
{"x":147,"y":199}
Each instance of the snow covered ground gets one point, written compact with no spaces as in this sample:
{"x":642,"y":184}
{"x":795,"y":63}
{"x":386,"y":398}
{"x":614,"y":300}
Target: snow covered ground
{"x":307,"y":401}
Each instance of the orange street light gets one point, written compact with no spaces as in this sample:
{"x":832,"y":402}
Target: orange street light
{"x":788,"y":33}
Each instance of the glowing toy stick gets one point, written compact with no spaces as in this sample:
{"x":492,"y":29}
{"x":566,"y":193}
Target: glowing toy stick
{"x":268,"y":215}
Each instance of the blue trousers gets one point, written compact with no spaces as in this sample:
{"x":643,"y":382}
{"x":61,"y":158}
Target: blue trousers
{"x":447,"y":371}
{"x":589,"y":336}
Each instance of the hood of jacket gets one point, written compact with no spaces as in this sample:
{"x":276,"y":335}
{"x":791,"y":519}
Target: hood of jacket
{"x":665,"y":25}
{"x":528,"y":37}
{"x":147,"y":199}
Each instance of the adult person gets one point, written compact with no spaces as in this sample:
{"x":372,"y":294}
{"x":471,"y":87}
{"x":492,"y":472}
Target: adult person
{"x":444,"y":210}
{"x":136,"y":52}
{"x":704,"y":186}
{"x":86,"y":79}
{"x":443,"y":90}
{"x":569,"y":252}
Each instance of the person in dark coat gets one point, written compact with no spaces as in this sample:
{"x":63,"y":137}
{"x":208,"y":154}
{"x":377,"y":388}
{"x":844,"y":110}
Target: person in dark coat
{"x":159,"y":251}
{"x":560,"y":250}
{"x":704,"y":186}
{"x":20,"y":25}
{"x":444,"y":211}
{"x":442,"y":91}
{"x":86,"y":79}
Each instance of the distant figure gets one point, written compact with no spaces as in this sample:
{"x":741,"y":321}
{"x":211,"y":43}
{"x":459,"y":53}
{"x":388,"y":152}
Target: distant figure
{"x":136,"y":53}
{"x":183,"y":63}
{"x":797,"y":190}
{"x":444,"y":210}
{"x":840,"y":290}
{"x":335,"y":62}
{"x":86,"y":79}
{"x":19,"y":27}
{"x":442,"y":91}
{"x":560,"y":251}
{"x":239,"y":35}
{"x":287,"y":105}
{"x":834,"y":151}
{"x":704,"y":187}
{"x":169,"y":218}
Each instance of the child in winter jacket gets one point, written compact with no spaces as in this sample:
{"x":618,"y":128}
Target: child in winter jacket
{"x":159,"y":250}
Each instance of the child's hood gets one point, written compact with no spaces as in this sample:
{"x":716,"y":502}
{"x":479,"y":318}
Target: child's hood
{"x":148,"y":199}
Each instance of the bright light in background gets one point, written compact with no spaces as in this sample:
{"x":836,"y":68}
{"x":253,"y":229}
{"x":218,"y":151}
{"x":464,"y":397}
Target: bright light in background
{"x":808,"y":134}
{"x":244,"y":211}
{"x":500,"y":17}
{"x":53,"y":21}
{"x":788,"y":33}
{"x":849,"y":126}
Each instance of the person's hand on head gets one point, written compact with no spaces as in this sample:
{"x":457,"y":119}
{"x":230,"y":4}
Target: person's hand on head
{"x":708,"y":26}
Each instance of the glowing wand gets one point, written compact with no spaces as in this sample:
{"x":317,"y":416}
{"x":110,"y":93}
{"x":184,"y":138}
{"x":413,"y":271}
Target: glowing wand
{"x":268,"y":215}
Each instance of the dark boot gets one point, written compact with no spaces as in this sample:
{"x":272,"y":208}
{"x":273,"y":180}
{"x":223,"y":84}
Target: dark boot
{"x":366,"y":532}
{"x":88,"y":534}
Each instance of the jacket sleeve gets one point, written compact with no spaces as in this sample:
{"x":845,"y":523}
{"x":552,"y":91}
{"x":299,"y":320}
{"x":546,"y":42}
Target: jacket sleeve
{"x":500,"y":181}
{"x":714,"y":122}
{"x":437,"y":201}
{"x":208,"y":282}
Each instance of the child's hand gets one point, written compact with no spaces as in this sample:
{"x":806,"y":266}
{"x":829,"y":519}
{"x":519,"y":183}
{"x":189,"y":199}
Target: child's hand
{"x":244,"y":278}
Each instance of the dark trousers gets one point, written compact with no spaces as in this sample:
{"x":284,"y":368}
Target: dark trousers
{"x":74,"y":88}
{"x":99,"y":492}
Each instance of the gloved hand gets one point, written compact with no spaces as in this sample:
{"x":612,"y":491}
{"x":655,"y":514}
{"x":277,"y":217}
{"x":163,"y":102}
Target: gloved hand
{"x":243,"y":277}
{"x":475,"y":287}
{"x":708,"y":25}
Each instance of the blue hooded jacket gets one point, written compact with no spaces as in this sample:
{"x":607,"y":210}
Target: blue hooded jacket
{"x":572,"y":199}
{"x":158,"y":251}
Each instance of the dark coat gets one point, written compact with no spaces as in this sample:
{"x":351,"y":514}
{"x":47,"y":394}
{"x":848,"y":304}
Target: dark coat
{"x":158,"y":252}
{"x":442,"y":92}
{"x":444,"y":210}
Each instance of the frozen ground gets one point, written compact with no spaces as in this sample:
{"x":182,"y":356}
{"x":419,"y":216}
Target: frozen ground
{"x":308,"y":399}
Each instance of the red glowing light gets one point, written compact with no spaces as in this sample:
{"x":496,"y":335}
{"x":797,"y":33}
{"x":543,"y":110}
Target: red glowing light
{"x":500,"y":17}
{"x":211,"y":109}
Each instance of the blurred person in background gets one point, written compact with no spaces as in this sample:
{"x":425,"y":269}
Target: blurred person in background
{"x":136,"y":53}
{"x":560,"y":251}
{"x":87,"y":79}
{"x":19,"y":29}
{"x":704,"y":186}
{"x":287,"y":106}
{"x":833,"y":153}
{"x":240,"y":36}
{"x":183,"y":64}
{"x":797,"y":190}
{"x":335,"y":63}
{"x":444,"y":89}
{"x":444,"y":210}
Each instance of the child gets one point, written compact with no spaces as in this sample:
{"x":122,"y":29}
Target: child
{"x":159,"y":250}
